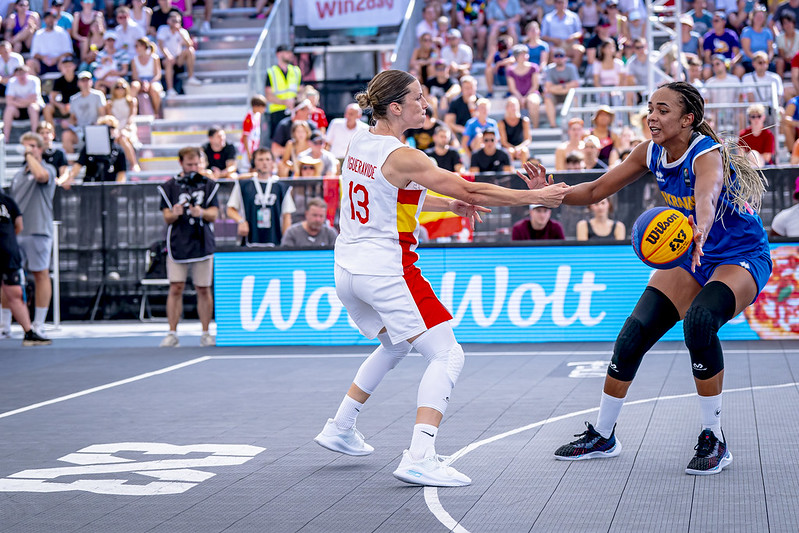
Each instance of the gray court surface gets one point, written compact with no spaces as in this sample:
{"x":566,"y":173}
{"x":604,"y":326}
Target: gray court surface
{"x":105,"y":432}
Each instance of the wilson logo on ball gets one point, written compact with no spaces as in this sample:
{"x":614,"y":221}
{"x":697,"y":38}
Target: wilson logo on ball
{"x":662,"y":237}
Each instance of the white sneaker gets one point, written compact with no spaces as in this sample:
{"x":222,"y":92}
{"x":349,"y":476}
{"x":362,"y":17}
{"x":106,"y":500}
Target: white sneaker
{"x":433,"y":471}
{"x":206,"y":339}
{"x":205,"y":27}
{"x":194,"y":80}
{"x":347,"y":441}
{"x":171,"y":92}
{"x":170,"y":341}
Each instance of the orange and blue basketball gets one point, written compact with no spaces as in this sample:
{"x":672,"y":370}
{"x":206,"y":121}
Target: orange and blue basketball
{"x":662,"y":237}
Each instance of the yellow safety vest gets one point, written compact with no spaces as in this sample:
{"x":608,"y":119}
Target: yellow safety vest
{"x":284,"y":86}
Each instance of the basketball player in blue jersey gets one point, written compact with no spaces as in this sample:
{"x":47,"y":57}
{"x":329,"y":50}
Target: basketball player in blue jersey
{"x":730,"y":264}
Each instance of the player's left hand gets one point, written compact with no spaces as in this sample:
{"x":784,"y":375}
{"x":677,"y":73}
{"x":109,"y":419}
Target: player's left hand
{"x":535,"y":175}
{"x":472,"y":212}
{"x":699,"y":242}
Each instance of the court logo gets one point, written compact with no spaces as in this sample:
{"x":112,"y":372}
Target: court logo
{"x":132,"y":468}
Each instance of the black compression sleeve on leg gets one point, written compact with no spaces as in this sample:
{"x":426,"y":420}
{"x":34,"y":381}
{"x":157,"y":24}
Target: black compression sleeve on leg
{"x":653,"y":316}
{"x":713,"y":307}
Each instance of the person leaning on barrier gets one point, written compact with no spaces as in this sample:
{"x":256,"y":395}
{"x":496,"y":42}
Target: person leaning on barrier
{"x":538,"y":226}
{"x":190,"y":205}
{"x":313,"y":231}
{"x":111,"y":167}
{"x":262,"y":205}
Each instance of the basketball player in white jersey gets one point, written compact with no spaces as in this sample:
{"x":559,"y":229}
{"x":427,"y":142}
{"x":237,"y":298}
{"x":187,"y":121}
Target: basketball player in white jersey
{"x":385,"y":184}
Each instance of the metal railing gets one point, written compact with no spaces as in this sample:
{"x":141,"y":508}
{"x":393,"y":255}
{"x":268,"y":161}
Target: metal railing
{"x":2,"y":158}
{"x":406,"y":40}
{"x":277,"y":30}
{"x":582,"y":101}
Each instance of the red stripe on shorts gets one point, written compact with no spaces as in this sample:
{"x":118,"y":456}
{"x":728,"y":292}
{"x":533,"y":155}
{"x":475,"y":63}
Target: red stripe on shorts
{"x":432,"y":310}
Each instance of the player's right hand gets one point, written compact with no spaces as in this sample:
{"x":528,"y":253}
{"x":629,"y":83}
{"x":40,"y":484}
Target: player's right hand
{"x":178,"y":209}
{"x":552,"y":195}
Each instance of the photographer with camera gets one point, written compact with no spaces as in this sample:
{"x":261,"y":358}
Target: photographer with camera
{"x":190,"y":206}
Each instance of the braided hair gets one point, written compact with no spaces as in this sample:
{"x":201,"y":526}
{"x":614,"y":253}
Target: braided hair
{"x":748,"y":190}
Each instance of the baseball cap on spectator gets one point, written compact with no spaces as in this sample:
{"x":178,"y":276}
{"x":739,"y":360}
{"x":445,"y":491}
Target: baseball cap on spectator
{"x":69,"y":59}
{"x":454,"y":33}
{"x":302,"y":105}
{"x":533,"y":206}
{"x":57,"y":3}
{"x":317,"y":136}
{"x":282,"y":48}
{"x":613,"y":3}
{"x":519,"y":49}
{"x":440,"y":61}
{"x":48,"y":13}
{"x":796,"y":192}
{"x":720,"y":13}
{"x":603,"y":109}
{"x":634,"y":15}
{"x":603,"y":21}
{"x":110,"y":35}
{"x":84,"y":74}
{"x":559,"y":52}
{"x":687,"y":20}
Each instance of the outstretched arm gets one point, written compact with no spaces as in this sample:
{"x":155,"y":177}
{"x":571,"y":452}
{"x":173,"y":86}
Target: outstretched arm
{"x":407,"y":164}
{"x":591,"y":192}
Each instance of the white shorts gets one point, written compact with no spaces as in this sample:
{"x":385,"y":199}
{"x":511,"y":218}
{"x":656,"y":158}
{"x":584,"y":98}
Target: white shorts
{"x":202,"y":272}
{"x":405,"y":305}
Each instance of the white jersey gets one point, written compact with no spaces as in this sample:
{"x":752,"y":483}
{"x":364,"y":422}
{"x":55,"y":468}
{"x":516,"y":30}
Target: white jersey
{"x":379,"y":222}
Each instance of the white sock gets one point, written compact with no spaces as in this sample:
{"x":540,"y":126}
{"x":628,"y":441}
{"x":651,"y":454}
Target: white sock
{"x":609,"y":409}
{"x":710,"y":413}
{"x":347,"y":412}
{"x":5,"y":319}
{"x":423,"y":441}
{"x":40,"y":315}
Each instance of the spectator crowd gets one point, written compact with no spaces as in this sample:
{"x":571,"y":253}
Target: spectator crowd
{"x":65,"y":66}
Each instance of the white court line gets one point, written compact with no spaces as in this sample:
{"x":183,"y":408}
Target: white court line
{"x":470,"y":354}
{"x":103,"y":387}
{"x":431,"y":493}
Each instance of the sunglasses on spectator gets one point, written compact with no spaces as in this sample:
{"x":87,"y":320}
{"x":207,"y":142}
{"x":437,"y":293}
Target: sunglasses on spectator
{"x":755,"y":116}
{"x":558,"y":55}
{"x":307,"y":167}
{"x":639,"y":47}
{"x":489,"y":139}
{"x":320,"y":141}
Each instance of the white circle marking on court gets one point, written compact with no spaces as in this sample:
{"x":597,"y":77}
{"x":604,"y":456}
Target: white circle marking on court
{"x":431,"y":493}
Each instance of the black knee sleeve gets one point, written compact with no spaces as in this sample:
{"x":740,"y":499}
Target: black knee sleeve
{"x":653,"y":316}
{"x":713,"y":307}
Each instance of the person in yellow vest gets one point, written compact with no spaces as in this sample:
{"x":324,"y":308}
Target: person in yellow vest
{"x":282,"y":85}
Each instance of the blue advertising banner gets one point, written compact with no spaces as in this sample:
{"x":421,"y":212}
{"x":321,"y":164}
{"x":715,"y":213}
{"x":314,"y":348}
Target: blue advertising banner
{"x":495,"y":294}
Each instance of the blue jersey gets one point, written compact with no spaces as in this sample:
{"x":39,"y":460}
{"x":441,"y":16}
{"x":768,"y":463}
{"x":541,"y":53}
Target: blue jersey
{"x":734,"y":232}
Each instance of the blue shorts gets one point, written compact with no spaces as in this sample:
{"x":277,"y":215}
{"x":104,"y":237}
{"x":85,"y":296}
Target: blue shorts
{"x":758,"y":264}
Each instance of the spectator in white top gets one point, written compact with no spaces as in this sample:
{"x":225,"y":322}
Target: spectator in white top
{"x":177,"y":50}
{"x":50,"y":45}
{"x":732,"y":93}
{"x":341,"y":130}
{"x":9,"y":61}
{"x":763,"y":79}
{"x":23,"y":98}
{"x":128,"y":32}
{"x":457,"y":54}
{"x":786,"y":222}
{"x":428,"y":24}
{"x":85,"y":107}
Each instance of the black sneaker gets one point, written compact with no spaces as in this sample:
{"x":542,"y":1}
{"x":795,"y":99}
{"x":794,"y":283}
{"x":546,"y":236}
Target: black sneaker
{"x":590,"y":445}
{"x":712,"y":455}
{"x":34,"y":339}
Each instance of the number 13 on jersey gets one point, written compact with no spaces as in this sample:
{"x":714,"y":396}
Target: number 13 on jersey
{"x":359,"y":202}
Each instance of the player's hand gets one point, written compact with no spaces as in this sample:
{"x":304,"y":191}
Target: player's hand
{"x":552,"y":195}
{"x":535,"y":175}
{"x":196,"y":211}
{"x":243,"y":229}
{"x":178,"y":209}
{"x":699,"y":242}
{"x":472,"y":212}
